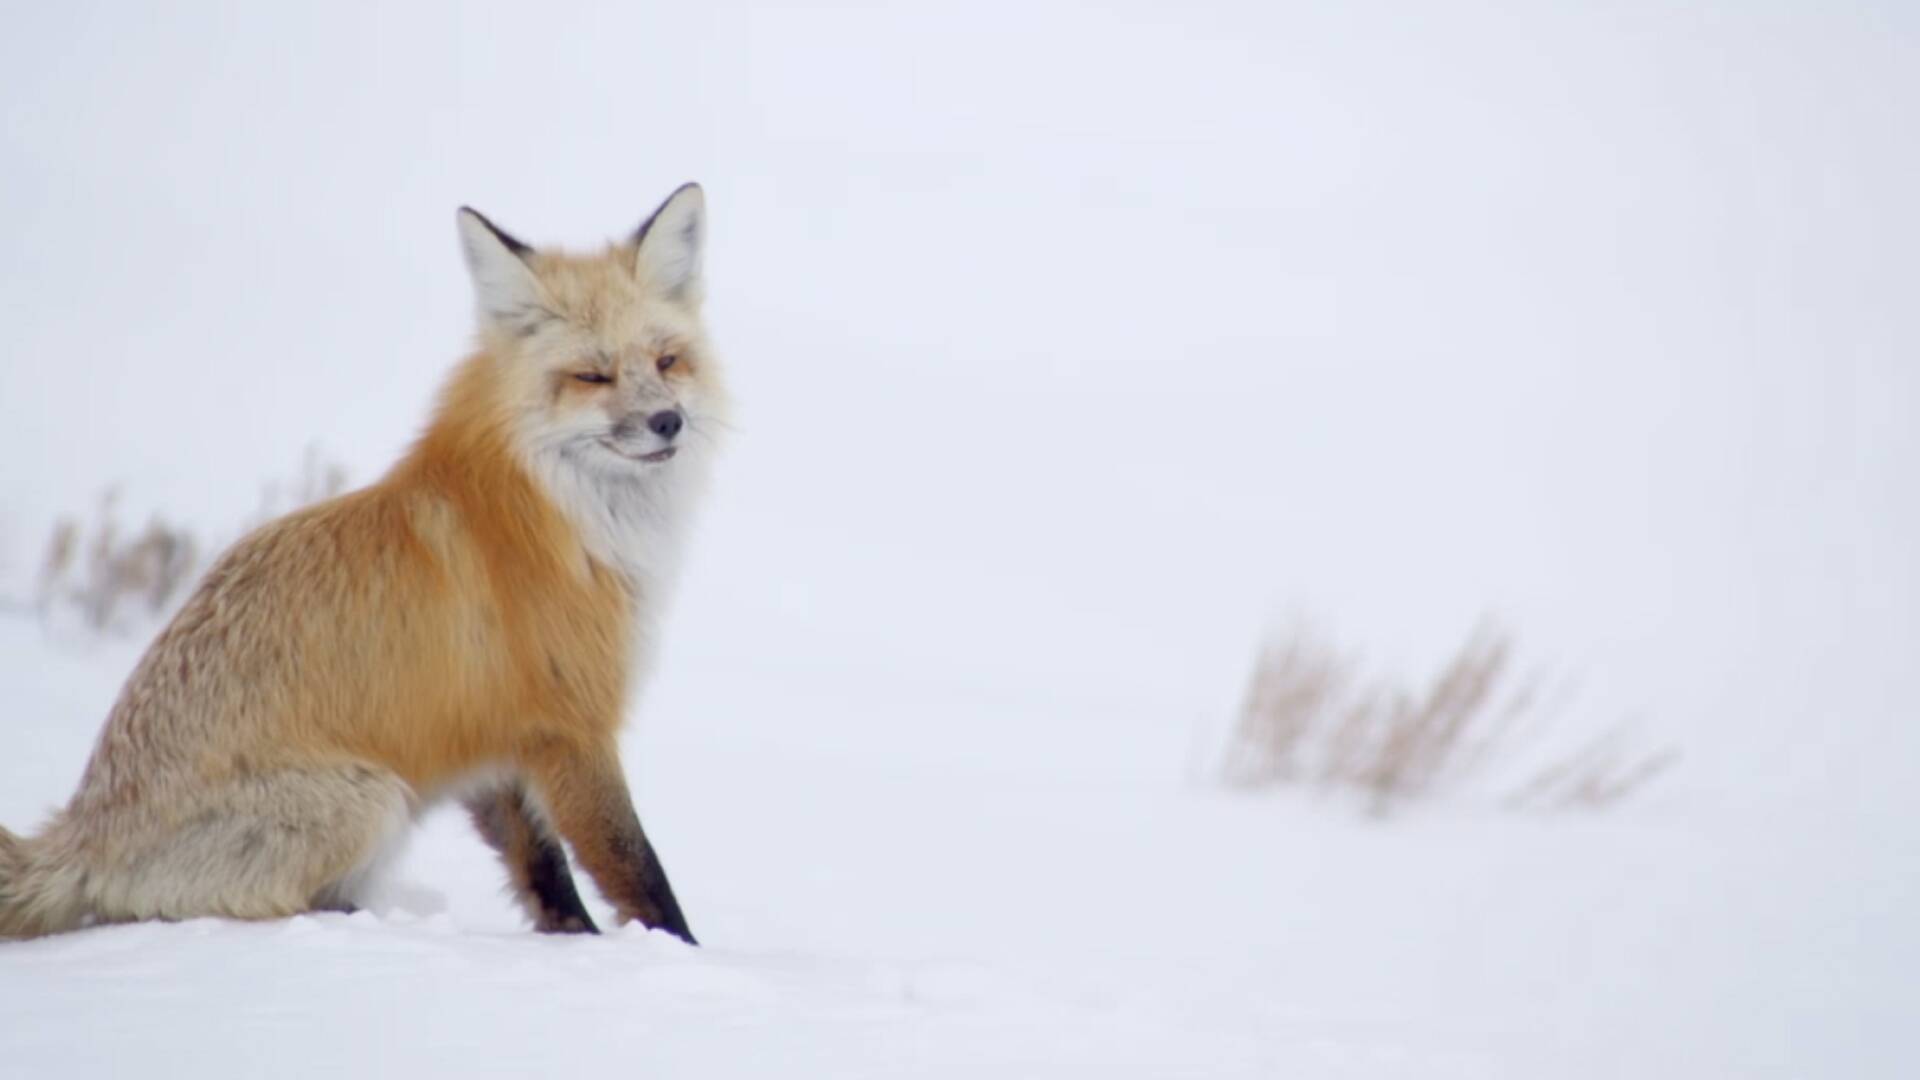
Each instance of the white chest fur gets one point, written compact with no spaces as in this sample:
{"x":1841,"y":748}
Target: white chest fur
{"x":632,"y":521}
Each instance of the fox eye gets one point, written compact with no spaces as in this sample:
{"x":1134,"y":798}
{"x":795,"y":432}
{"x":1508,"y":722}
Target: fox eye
{"x":666,"y":362}
{"x":592,"y":377}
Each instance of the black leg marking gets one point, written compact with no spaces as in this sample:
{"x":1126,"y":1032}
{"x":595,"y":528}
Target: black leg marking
{"x":552,"y":885}
{"x":654,"y":882}
{"x":536,"y":863}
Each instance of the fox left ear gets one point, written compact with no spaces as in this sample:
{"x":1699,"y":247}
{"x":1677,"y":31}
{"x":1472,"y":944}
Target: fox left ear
{"x":504,"y":285}
{"x":670,"y":245}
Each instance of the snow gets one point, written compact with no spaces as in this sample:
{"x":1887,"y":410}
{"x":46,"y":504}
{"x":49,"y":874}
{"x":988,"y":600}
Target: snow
{"x":1074,"y":345}
{"x":870,"y":916}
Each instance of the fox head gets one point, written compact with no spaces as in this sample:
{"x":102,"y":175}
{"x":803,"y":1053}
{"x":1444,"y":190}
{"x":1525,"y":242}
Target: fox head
{"x":602,"y":359}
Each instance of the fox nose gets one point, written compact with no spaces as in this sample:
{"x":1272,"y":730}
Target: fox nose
{"x":665,"y":423}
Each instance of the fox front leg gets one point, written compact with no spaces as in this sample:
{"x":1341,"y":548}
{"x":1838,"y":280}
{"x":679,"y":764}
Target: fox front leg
{"x":586,"y":793}
{"x":535,"y":861}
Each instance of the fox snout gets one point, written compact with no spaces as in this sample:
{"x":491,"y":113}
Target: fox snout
{"x":666,"y":423}
{"x":634,"y":431}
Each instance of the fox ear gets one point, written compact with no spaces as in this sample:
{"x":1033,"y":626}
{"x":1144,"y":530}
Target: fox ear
{"x":671,"y":243}
{"x":504,"y":285}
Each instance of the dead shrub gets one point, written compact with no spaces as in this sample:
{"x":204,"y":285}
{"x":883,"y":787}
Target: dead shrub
{"x":100,"y":570}
{"x":110,"y":577}
{"x":1310,"y":719}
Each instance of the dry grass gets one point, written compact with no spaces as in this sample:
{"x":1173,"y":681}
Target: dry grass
{"x":109,"y":576}
{"x":101,"y":570}
{"x":1309,"y":719}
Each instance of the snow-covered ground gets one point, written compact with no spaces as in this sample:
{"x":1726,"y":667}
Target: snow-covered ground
{"x":1074,"y":343}
{"x":876,"y":908}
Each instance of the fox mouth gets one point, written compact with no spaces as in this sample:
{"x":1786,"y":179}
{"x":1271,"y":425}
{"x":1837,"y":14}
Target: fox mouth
{"x":654,"y":458}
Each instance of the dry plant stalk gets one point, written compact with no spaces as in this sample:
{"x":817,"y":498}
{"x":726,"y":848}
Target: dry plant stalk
{"x":1600,"y":774}
{"x":1306,"y":719}
{"x":98,"y":570}
{"x":95,"y":574}
{"x":1293,"y":683}
{"x":317,"y":481}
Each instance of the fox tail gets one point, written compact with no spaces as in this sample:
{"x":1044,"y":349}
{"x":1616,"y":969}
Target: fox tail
{"x":34,"y":899}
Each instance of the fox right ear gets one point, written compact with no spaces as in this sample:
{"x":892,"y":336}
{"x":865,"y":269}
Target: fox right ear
{"x":504,"y":285}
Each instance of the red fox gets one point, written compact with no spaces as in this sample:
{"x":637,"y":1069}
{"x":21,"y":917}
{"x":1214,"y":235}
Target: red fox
{"x":470,"y":626}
